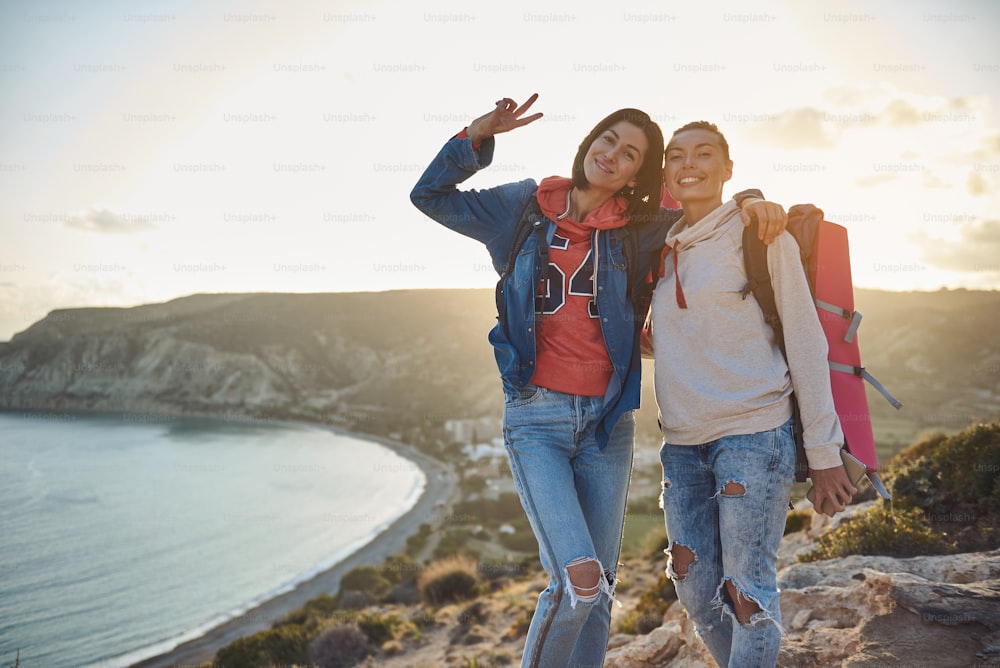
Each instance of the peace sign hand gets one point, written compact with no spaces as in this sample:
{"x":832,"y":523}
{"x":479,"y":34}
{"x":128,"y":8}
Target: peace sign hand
{"x":504,"y":118}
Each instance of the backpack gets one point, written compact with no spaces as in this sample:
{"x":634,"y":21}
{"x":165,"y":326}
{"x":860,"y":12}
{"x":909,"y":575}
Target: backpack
{"x":825,"y":259}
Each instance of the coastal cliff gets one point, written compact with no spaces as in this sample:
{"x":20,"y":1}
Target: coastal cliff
{"x":391,"y":361}
{"x":394,"y":358}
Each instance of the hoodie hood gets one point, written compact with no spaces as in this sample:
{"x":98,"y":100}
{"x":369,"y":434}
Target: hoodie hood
{"x":552,"y":196}
{"x":683,"y":236}
{"x":711,"y":227}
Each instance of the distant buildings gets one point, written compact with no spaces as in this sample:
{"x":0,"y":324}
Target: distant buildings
{"x":474,"y":430}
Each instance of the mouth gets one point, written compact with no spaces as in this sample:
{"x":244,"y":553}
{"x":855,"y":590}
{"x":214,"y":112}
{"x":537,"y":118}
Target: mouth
{"x":689,"y":180}
{"x":603,"y":166}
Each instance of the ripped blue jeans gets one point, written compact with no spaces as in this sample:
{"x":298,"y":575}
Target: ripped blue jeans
{"x":574,"y":496}
{"x":725,"y":504}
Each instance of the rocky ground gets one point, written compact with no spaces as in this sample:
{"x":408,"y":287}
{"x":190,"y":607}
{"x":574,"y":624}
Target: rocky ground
{"x":858,"y":611}
{"x":851,"y":612}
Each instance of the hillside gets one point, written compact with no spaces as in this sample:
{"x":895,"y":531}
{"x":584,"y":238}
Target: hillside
{"x":395,"y":360}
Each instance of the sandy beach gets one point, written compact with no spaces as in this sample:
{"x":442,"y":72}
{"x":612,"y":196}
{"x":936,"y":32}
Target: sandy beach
{"x":440,"y":488}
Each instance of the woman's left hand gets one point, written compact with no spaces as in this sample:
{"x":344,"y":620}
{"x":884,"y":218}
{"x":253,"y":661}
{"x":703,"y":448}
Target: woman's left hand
{"x":832,"y":484}
{"x":771,"y":216}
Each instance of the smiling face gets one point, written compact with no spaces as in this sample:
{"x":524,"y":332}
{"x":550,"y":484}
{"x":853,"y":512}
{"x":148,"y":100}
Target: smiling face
{"x":614,"y":158}
{"x":696,"y":167}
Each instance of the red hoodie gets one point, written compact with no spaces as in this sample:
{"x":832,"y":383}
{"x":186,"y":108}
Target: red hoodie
{"x":571,"y":355}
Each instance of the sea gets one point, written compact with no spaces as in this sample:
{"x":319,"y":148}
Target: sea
{"x":122,"y":537}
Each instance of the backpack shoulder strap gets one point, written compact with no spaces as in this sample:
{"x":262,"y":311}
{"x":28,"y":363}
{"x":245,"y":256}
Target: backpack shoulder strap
{"x":759,"y":280}
{"x":530,"y":221}
{"x":759,"y":284}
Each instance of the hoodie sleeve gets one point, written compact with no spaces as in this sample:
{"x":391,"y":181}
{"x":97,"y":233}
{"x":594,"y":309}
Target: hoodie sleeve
{"x":806,"y":351}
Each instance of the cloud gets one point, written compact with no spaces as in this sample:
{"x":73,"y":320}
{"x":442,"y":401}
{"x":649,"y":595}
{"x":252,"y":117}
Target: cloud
{"x":106,"y":221}
{"x":976,"y":252}
{"x":796,"y":128}
{"x":900,"y":112}
{"x":977,"y":185}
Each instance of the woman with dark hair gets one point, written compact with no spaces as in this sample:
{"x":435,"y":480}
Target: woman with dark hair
{"x":566,"y":347}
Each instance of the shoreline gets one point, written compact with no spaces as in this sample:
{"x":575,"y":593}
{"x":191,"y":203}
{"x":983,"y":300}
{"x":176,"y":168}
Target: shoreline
{"x":440,"y":487}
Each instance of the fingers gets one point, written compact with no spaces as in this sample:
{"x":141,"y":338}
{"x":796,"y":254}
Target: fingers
{"x":527,"y":105}
{"x":519,"y":111}
{"x":773,"y":221}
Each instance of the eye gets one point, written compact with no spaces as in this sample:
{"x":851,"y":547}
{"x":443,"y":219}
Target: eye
{"x":704,"y":154}
{"x":630,"y":155}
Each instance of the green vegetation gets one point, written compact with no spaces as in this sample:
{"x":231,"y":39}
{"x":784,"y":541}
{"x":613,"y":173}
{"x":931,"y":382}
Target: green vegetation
{"x":337,"y":647}
{"x":491,"y":513}
{"x":454,"y":542}
{"x":942,"y":475}
{"x":881,"y":531}
{"x":286,"y":645}
{"x":946,"y":498}
{"x":797,"y":520}
{"x":367,"y":579}
{"x":451,"y":579}
{"x":648,"y":612}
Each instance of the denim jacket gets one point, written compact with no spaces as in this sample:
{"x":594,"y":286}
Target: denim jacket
{"x":490,"y":216}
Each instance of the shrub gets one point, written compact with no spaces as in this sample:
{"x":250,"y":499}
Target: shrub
{"x":881,"y":531}
{"x":317,"y":608}
{"x":378,"y":628}
{"x":281,"y":645}
{"x":367,"y":579}
{"x":451,"y":579}
{"x":476,"y":613}
{"x":945,"y":474}
{"x":797,"y":520}
{"x":352,"y":599}
{"x":399,"y":569}
{"x":338,"y":647}
{"x":452,"y":542}
{"x":418,"y":541}
{"x":649,"y":611}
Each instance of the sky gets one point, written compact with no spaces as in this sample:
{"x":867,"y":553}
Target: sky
{"x":221,"y":146}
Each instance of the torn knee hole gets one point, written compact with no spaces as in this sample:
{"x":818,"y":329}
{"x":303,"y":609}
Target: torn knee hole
{"x":743,"y":607}
{"x":681,"y":557}
{"x":585,"y":577}
{"x":734,"y":488}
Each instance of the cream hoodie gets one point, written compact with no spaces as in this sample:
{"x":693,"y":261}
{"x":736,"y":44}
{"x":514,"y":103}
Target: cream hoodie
{"x":719,"y":371}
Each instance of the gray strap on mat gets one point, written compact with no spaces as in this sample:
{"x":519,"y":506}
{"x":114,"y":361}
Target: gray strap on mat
{"x":844,"y":313}
{"x":863,"y":373}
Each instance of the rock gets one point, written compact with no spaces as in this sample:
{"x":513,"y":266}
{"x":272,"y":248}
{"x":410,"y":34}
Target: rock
{"x":867,"y":611}
{"x":800,"y":619}
{"x":657,"y":648}
{"x":861,"y":611}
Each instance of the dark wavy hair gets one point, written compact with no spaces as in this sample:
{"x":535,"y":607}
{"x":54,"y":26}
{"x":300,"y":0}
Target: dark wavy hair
{"x":703,"y":125}
{"x":644,"y":198}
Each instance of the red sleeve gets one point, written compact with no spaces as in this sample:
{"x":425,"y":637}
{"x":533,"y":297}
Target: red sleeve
{"x":465,"y":135}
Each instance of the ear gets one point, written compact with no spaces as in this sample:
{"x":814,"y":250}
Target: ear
{"x":729,"y":171}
